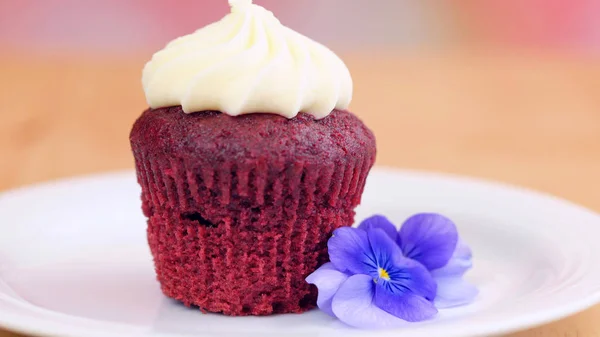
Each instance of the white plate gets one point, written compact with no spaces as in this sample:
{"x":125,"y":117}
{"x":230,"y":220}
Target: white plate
{"x":74,"y":261}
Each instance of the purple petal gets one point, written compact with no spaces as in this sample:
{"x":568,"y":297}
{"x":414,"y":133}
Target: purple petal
{"x":381,"y":222}
{"x":415,"y":277}
{"x":408,"y":306}
{"x":349,"y":251}
{"x":384,"y":250}
{"x":353,"y":305}
{"x":459,"y":263}
{"x":462,"y":251}
{"x":454,"y":291}
{"x":428,"y":238}
{"x":404,"y":273}
{"x":328,"y":280}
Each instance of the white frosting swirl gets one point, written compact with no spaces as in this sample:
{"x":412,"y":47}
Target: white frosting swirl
{"x":248,"y":62}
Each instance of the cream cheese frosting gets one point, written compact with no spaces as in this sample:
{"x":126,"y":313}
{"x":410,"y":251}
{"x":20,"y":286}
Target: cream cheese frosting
{"x":248,"y":62}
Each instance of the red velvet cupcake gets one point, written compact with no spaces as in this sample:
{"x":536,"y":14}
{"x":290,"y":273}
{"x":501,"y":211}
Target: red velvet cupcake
{"x":241,"y":201}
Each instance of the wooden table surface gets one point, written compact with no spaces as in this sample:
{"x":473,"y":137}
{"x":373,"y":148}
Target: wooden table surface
{"x":526,"y":118}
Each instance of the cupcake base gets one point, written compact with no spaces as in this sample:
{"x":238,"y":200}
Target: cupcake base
{"x":253,"y":261}
{"x":239,"y":235}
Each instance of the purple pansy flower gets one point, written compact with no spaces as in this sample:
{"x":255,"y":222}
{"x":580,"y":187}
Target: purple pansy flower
{"x":380,"y":277}
{"x":370,"y":284}
{"x":432,"y":239}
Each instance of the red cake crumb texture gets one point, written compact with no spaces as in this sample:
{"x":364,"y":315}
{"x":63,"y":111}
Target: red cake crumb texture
{"x":240,"y":208}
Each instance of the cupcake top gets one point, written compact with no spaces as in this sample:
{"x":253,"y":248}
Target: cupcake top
{"x":248,"y":62}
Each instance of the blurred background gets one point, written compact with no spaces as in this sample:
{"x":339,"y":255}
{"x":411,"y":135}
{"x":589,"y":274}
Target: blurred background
{"x":507,"y":90}
{"x":117,"y":26}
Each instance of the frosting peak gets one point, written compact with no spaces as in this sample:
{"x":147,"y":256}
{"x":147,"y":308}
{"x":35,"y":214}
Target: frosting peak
{"x":240,"y":3}
{"x":248,"y":62}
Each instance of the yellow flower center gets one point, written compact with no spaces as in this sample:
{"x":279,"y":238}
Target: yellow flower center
{"x":384,"y":274}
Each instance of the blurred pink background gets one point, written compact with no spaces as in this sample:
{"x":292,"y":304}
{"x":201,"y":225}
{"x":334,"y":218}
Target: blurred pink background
{"x":123,"y":26}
